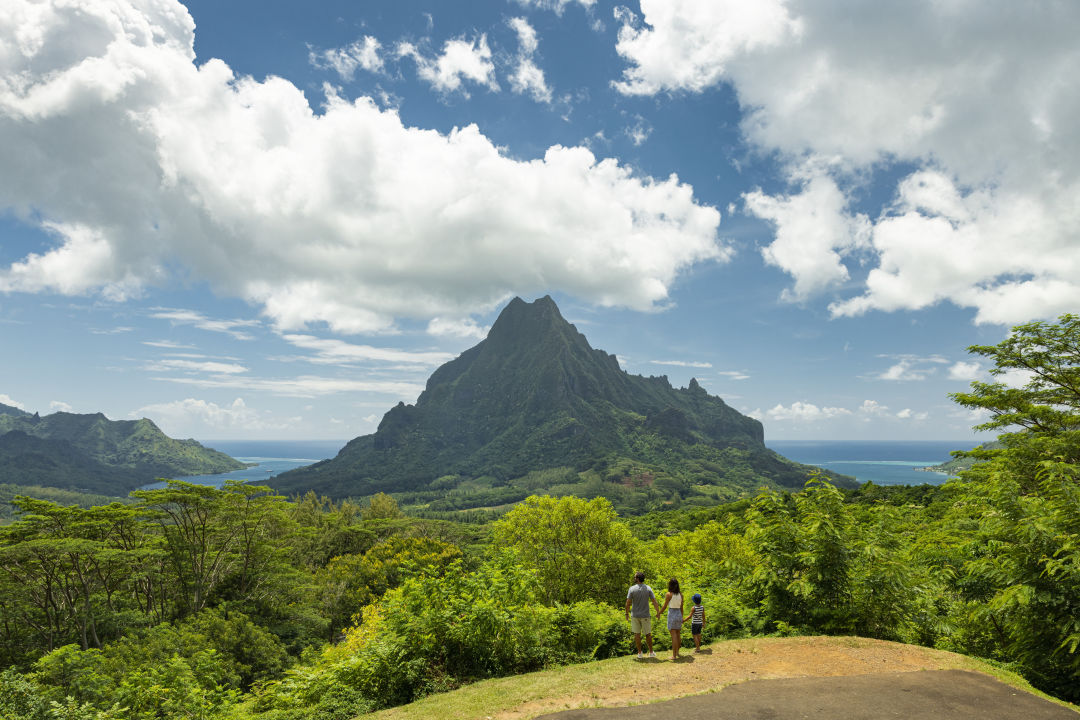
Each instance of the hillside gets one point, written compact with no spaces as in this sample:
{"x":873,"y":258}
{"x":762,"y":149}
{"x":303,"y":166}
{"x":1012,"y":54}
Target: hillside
{"x":533,"y":407}
{"x":623,"y":682}
{"x":92,"y":453}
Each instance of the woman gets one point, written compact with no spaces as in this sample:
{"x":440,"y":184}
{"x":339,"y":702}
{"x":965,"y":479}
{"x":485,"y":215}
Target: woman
{"x":673,"y":602}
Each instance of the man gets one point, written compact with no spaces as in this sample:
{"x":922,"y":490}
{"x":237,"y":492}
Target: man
{"x":637,"y":599}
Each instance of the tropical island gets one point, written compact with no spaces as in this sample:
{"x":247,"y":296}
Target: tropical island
{"x":534,"y":409}
{"x":352,"y":594}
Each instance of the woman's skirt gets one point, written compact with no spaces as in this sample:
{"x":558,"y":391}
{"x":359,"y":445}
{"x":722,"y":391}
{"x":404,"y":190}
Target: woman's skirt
{"x":674,"y":619}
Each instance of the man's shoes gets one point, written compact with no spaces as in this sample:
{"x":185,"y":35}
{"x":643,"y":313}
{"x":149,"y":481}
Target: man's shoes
{"x":652,"y":654}
{"x":640,"y":656}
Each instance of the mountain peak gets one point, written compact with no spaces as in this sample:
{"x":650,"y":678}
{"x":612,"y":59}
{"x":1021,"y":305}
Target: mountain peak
{"x":535,"y":396}
{"x":522,"y":322}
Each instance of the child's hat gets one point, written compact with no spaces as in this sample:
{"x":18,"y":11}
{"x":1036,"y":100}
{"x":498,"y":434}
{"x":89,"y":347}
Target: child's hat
{"x":696,"y":598}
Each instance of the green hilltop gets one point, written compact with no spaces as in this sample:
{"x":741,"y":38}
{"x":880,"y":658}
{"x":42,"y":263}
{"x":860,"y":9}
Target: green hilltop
{"x":92,"y":453}
{"x":534,"y":408}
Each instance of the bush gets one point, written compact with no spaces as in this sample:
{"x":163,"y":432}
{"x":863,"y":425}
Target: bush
{"x":435,"y":632}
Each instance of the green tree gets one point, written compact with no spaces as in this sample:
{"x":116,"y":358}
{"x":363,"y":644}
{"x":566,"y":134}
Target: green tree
{"x":579,"y":548}
{"x":805,"y":545}
{"x":325,"y":529}
{"x":67,"y":572}
{"x":381,"y":507}
{"x":215,"y":536}
{"x":349,"y":582}
{"x":1043,"y":414}
{"x":1021,"y":582}
{"x":1048,"y":356}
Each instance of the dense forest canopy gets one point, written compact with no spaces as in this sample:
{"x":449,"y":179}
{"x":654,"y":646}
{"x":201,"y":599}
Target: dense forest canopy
{"x":237,"y":602}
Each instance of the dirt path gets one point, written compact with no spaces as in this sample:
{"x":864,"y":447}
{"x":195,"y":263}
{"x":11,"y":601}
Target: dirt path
{"x":937,"y":694}
{"x":737,"y":662}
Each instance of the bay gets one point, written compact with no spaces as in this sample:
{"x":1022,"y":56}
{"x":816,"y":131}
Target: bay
{"x":888,"y":462}
{"x":266,"y":457}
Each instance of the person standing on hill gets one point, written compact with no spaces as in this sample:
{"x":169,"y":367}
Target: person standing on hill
{"x":673,"y":603}
{"x":697,"y":621}
{"x":637,"y":612}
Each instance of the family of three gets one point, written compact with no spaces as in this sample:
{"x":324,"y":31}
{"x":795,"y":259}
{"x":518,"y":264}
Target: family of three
{"x":637,"y":612}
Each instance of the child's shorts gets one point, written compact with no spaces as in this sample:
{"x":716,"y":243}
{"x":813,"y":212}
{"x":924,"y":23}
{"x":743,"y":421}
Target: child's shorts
{"x":695,"y":628}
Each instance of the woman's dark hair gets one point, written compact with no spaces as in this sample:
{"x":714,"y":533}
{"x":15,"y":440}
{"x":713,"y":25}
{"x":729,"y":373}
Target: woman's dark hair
{"x":673,"y":586}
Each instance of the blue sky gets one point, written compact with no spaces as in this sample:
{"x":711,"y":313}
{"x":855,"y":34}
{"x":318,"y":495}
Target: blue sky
{"x":274,"y":220}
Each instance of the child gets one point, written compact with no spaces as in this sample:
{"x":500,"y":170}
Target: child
{"x":697,"y":620}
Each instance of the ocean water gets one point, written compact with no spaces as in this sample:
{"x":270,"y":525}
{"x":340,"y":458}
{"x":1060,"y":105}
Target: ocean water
{"x":270,"y":458}
{"x":880,"y":462}
{"x":884,"y":463}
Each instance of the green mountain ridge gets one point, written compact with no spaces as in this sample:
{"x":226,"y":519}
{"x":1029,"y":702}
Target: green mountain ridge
{"x":533,"y":407}
{"x":91,"y":452}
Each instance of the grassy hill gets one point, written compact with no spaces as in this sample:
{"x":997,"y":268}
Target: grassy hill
{"x":621,"y":682}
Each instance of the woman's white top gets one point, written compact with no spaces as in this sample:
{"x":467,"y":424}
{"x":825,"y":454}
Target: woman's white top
{"x":676,"y":601}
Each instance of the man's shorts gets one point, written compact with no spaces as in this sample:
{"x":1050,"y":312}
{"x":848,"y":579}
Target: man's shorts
{"x":641,"y":625}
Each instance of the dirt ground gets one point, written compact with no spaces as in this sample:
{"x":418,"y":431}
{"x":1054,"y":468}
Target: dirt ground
{"x":736,"y":662}
{"x":936,"y":694}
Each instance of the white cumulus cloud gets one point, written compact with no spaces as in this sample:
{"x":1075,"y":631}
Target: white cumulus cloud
{"x":363,"y":54}
{"x":59,"y":406}
{"x":144,"y":166}
{"x":910,"y":367}
{"x":814,"y":232}
{"x":11,"y":402}
{"x":460,"y":60}
{"x":965,"y":371}
{"x":873,"y":408}
{"x":909,"y":414}
{"x":980,"y":99}
{"x":687,"y":44}
{"x":639,"y":132}
{"x":527,"y":77}
{"x":801,"y":412}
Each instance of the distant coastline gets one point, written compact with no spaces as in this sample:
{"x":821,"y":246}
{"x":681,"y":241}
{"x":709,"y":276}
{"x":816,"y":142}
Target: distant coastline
{"x":889,"y":462}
